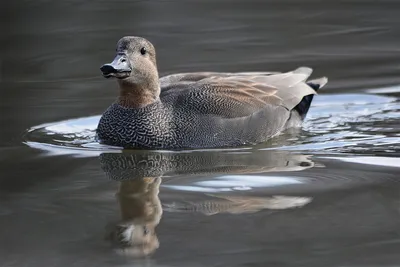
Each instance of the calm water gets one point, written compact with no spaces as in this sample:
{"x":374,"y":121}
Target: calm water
{"x":326,"y":195}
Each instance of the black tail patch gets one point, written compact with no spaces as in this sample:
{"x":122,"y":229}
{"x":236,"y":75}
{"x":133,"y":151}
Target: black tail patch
{"x":304,"y":105}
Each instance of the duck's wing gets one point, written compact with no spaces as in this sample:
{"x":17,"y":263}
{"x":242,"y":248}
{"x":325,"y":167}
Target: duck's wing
{"x":191,"y":77}
{"x":234,"y":95}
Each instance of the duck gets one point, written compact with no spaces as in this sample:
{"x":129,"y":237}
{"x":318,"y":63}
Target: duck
{"x":198,"y":110}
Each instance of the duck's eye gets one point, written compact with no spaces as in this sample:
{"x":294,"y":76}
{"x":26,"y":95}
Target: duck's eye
{"x":143,"y":51}
{"x":146,"y":231}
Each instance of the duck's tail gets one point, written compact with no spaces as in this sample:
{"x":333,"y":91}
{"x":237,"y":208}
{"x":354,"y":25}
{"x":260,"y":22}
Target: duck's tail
{"x":304,"y":105}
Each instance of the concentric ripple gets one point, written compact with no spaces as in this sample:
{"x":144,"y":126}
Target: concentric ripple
{"x":352,"y":123}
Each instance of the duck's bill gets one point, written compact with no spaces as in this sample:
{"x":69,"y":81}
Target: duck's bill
{"x":119,"y":75}
{"x":119,"y":68}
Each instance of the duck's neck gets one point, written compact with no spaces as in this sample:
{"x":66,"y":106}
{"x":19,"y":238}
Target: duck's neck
{"x":132,"y":95}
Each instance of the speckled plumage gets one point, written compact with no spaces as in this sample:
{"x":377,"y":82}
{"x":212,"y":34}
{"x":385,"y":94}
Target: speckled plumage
{"x":205,"y":109}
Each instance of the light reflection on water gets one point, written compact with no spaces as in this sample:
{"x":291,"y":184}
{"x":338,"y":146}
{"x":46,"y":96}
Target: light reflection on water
{"x":236,"y":183}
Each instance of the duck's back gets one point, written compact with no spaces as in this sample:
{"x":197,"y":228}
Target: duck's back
{"x":233,"y":95}
{"x":198,"y":110}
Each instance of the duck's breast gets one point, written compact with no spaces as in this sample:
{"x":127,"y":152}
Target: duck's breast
{"x":148,"y":127}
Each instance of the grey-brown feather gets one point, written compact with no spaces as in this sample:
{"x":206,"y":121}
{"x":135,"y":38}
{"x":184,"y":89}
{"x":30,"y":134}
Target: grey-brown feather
{"x":209,"y":109}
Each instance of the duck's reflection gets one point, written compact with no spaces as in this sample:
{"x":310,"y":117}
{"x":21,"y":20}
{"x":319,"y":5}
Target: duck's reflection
{"x":238,"y":204}
{"x":139,"y":175}
{"x":140,"y":208}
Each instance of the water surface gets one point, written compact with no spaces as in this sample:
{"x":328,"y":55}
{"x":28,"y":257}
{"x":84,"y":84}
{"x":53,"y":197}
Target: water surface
{"x":325,"y":195}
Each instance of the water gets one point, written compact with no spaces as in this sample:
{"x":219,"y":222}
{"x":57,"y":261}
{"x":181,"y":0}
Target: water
{"x":325,"y":195}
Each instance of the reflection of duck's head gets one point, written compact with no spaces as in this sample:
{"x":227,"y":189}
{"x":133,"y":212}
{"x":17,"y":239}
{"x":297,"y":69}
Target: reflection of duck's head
{"x":141,"y":212}
{"x":134,"y":234}
{"x":135,"y":240}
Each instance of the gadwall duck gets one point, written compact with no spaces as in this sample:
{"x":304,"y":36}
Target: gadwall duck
{"x":200,"y":109}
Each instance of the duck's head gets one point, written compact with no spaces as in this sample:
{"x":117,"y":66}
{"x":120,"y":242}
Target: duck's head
{"x":135,"y":68}
{"x":135,"y":61}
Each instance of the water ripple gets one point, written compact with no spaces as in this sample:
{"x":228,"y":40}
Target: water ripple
{"x":337,"y":123}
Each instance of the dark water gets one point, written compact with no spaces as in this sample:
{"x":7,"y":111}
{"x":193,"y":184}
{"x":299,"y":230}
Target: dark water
{"x":325,"y":196}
